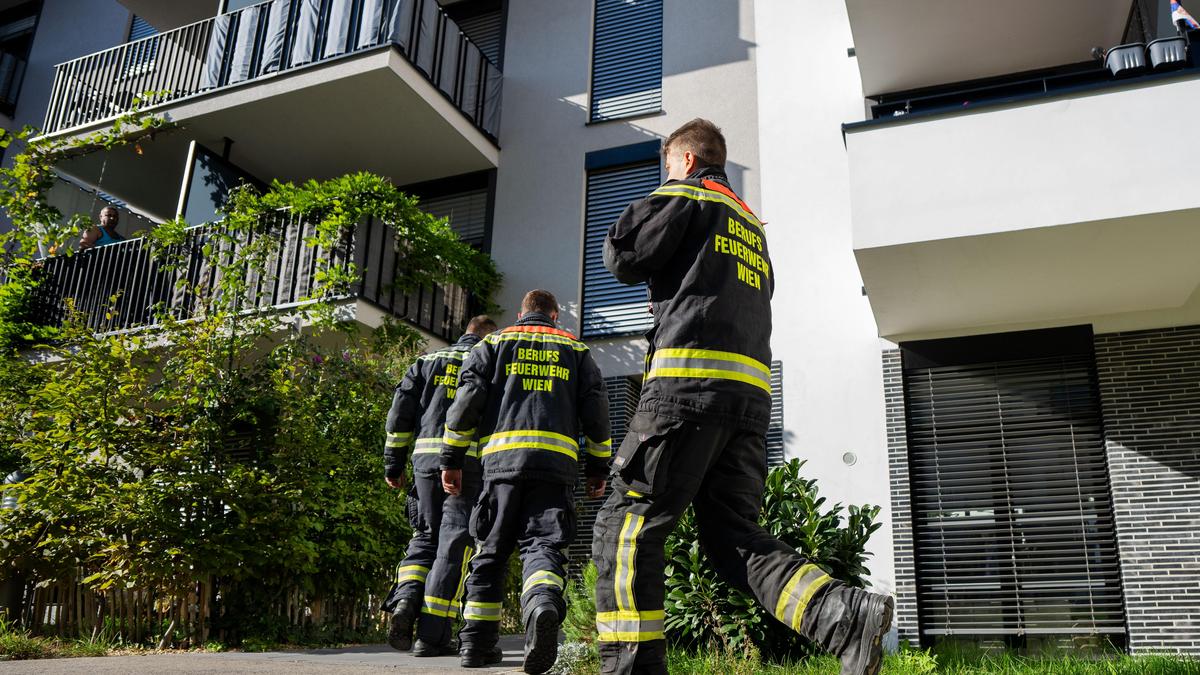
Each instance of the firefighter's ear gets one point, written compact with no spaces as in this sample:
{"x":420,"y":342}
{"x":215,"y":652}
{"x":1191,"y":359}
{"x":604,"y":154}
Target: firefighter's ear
{"x":689,"y":162}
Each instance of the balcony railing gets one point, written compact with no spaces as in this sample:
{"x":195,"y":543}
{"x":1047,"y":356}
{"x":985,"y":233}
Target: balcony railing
{"x":146,"y":285}
{"x":272,"y":37}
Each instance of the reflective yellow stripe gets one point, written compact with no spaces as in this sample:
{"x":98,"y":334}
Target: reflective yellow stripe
{"x":601,"y":450}
{"x":462,"y":575}
{"x":482,"y":611}
{"x":411,"y":573}
{"x":534,"y":446}
{"x":398,"y":440}
{"x":634,"y":494}
{"x":627,"y":561}
{"x":673,"y":353}
{"x":537,"y":337}
{"x":439,"y":606}
{"x":704,"y":195}
{"x":797,"y":593}
{"x":458,"y":439}
{"x":541,"y":434}
{"x":706,"y":373}
{"x":433,"y":446}
{"x":630,"y":626}
{"x":543,"y":578}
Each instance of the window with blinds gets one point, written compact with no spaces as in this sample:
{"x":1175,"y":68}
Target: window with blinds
{"x":140,"y":58}
{"x":775,"y":456}
{"x":627,"y":59}
{"x":1011,"y":505}
{"x":610,"y":307}
{"x":466,"y":212}
{"x":484,"y":28}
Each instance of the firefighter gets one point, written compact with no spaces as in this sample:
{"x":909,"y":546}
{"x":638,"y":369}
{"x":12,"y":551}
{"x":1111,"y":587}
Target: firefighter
{"x":699,"y":433}
{"x":429,"y":582}
{"x":527,"y":395}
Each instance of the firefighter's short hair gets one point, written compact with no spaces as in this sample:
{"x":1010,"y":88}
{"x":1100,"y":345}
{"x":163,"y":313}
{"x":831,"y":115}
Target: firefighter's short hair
{"x":700,"y":137}
{"x":542,"y":302}
{"x":481,"y":325}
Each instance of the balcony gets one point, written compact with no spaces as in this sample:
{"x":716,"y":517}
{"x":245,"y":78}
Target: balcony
{"x":144,"y":284}
{"x":1047,"y":198}
{"x":292,"y":91}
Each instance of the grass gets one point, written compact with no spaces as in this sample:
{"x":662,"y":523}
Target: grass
{"x":578,"y":659}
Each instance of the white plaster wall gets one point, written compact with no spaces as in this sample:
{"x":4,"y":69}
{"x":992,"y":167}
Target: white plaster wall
{"x":1100,"y":155}
{"x":708,"y":66}
{"x":824,"y":331}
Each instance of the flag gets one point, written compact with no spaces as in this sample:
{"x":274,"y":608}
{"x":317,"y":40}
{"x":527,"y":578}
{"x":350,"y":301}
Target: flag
{"x":1178,"y":13}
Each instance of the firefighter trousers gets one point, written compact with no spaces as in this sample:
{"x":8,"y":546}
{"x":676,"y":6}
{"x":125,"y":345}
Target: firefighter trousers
{"x":538,"y":519}
{"x":433,"y":572}
{"x":662,"y":466}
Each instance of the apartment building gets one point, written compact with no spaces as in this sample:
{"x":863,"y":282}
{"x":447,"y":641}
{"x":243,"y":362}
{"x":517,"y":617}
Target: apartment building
{"x":985,"y":315}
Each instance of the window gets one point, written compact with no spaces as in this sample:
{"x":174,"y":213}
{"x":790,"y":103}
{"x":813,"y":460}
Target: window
{"x":483,"y":24}
{"x":139,"y":57}
{"x":626,"y":59}
{"x":466,"y":212}
{"x":775,"y":455}
{"x":17,"y":26}
{"x":1011,"y":506}
{"x":615,"y":178}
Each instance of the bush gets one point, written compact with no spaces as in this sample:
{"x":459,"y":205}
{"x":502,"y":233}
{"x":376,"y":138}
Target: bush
{"x":703,"y":612}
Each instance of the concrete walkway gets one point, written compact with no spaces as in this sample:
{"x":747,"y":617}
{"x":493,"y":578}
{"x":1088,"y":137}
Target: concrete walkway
{"x":367,"y":659}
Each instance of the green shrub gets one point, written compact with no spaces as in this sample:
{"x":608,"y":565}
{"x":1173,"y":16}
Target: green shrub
{"x":703,"y":612}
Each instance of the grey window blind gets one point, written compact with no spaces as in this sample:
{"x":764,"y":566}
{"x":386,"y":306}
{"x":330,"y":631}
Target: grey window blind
{"x":140,"y":29}
{"x":609,"y":307}
{"x":775,"y":456}
{"x":1011,"y":504}
{"x":485,"y":30}
{"x":623,"y":393}
{"x":627,"y":58}
{"x":466,"y":211}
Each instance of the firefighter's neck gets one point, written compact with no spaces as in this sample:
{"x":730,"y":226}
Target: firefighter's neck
{"x":551,"y":318}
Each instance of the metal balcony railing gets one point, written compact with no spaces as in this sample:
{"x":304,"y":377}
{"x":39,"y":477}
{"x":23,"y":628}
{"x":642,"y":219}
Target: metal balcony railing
{"x":144,"y":284}
{"x":272,"y":37}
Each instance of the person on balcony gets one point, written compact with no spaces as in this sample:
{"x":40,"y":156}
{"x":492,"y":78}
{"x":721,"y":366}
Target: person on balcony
{"x":104,"y":235}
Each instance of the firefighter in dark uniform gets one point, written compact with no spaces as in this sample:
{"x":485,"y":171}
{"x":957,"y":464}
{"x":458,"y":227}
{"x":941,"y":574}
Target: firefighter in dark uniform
{"x":527,"y":395}
{"x":699,"y":434}
{"x":429,"y":581}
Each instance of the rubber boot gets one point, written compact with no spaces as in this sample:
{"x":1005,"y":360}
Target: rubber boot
{"x":850,"y":623}
{"x":400,"y":626}
{"x":541,"y":639}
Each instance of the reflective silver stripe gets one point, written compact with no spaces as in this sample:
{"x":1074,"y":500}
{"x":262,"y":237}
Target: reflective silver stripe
{"x":399,"y":440}
{"x":533,"y":440}
{"x":482,"y":611}
{"x":433,"y":446}
{"x":630,"y":626}
{"x":601,"y":450}
{"x":797,"y":592}
{"x":710,"y":364}
{"x":543,"y":578}
{"x":452,"y":354}
{"x":458,"y":438}
{"x":627,"y":561}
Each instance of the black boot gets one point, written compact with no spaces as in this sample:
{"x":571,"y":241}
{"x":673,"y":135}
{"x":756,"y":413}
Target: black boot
{"x":541,"y":639}
{"x":400,"y":626}
{"x":481,"y":658}
{"x":850,"y":623}
{"x":422,"y":649}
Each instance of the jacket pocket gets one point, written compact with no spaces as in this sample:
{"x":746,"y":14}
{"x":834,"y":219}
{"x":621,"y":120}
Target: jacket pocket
{"x":645,"y":454}
{"x":480,"y":522}
{"x":412,"y":506}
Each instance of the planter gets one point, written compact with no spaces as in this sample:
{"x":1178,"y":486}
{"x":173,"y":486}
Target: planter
{"x":1168,"y":53}
{"x":1126,"y":60}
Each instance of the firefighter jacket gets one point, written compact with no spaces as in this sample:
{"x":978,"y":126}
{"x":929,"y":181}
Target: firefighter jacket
{"x":419,"y":409}
{"x":527,"y":395}
{"x":704,"y":256}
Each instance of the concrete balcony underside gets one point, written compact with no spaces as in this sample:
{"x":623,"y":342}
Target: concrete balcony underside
{"x":1077,"y":209}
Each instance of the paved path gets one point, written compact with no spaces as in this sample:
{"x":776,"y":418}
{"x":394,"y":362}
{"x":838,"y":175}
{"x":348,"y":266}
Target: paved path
{"x":367,"y":659}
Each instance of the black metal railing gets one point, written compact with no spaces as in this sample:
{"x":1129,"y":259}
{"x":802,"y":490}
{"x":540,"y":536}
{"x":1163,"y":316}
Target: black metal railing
{"x":124,"y":286}
{"x":271,"y":37}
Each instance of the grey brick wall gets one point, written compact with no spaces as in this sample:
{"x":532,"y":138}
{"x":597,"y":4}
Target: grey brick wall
{"x":1150,"y":390}
{"x":902,"y":535}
